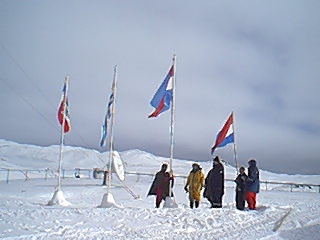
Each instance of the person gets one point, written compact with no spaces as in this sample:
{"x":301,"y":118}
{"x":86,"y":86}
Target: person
{"x":252,"y":184}
{"x":240,"y":188}
{"x":160,"y":185}
{"x":214,"y":184}
{"x":195,"y":183}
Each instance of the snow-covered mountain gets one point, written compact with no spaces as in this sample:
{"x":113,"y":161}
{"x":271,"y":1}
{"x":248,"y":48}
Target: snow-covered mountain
{"x":22,"y":156}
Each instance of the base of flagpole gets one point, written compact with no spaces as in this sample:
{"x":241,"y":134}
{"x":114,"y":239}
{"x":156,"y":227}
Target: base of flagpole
{"x":108,"y":201}
{"x":58,"y":199}
{"x":170,"y":203}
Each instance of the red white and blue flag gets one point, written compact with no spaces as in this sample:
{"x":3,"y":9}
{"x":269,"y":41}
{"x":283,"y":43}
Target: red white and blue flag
{"x":225,"y":136}
{"x":63,"y":112}
{"x":162,"y":98}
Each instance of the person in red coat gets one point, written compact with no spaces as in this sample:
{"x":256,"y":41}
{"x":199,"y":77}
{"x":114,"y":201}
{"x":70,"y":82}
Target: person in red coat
{"x":160,"y":185}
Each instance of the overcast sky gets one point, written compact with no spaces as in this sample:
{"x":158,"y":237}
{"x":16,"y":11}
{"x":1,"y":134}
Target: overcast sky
{"x":260,"y":59}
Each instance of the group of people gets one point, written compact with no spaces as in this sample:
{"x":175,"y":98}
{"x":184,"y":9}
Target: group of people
{"x":247,"y":185}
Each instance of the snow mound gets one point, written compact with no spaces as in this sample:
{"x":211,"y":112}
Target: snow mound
{"x":58,"y":199}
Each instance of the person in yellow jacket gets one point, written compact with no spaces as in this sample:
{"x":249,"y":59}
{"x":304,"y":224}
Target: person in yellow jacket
{"x":194,"y":185}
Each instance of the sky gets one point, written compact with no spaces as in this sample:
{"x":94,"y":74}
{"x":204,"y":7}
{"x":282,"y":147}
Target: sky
{"x":258,"y":59}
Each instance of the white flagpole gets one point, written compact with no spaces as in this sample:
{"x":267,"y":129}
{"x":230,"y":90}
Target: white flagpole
{"x":170,"y":202}
{"x":114,"y":87}
{"x":172,"y":114}
{"x":108,"y":200}
{"x":58,"y":198}
{"x":234,"y":143}
{"x":62,"y":131}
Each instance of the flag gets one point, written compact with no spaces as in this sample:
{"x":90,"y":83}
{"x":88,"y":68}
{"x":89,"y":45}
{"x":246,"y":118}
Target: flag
{"x":225,"y":136}
{"x":63,"y":112}
{"x":162,"y":98}
{"x":107,"y":117}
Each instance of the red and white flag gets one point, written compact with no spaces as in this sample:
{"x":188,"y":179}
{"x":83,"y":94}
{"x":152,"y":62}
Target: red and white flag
{"x":63,"y":112}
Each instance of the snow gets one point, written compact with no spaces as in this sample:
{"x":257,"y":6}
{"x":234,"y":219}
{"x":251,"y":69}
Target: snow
{"x":87,"y":211}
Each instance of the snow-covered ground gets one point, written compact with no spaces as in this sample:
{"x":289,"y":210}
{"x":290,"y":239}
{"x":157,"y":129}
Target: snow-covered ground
{"x":24,"y":213}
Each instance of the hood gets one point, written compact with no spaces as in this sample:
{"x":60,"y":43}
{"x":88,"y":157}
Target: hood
{"x":252,"y":163}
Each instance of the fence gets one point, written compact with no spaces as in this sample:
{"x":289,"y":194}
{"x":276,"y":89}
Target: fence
{"x":28,"y":174}
{"x":265,"y":185}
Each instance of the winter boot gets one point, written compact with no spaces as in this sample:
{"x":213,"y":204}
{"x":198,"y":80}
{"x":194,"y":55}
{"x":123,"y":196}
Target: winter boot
{"x":197,"y":204}
{"x":191,"y":204}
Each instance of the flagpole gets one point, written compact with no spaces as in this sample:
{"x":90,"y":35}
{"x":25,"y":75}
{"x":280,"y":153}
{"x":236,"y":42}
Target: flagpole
{"x":172,"y":115}
{"x":234,"y":143}
{"x":111,"y":127}
{"x":62,"y":132}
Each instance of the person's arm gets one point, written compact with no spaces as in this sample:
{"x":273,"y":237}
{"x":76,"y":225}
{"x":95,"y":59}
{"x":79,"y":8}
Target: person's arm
{"x":253,"y":175}
{"x":202,"y":180}
{"x":187,"y":184}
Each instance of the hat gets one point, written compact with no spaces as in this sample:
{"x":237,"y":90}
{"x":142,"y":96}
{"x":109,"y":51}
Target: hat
{"x":252,"y":163}
{"x":164,"y":166}
{"x":196,"y":165}
{"x":216,"y":159}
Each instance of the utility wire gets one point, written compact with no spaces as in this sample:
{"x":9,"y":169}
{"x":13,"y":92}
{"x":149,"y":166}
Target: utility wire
{"x":41,"y":93}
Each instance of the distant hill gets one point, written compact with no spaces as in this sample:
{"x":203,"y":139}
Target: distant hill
{"x":23,"y":156}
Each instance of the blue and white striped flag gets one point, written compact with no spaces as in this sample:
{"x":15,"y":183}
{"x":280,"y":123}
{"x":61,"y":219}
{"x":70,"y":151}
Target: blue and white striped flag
{"x":104,"y":128}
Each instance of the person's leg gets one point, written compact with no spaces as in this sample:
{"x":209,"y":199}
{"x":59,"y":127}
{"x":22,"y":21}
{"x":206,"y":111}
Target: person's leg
{"x":191,"y":199}
{"x":220,"y":200}
{"x":237,"y":200}
{"x":217,"y":199}
{"x":254,"y":201}
{"x":250,"y":198}
{"x":197,"y":199}
{"x":240,"y":200}
{"x":158,"y":197}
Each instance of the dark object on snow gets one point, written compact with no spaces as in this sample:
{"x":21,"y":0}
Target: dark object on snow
{"x":214,"y":184}
{"x":160,"y":185}
{"x":240,"y":189}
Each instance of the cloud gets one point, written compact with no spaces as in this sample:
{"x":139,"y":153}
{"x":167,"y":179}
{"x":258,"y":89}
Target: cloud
{"x":257,"y":59}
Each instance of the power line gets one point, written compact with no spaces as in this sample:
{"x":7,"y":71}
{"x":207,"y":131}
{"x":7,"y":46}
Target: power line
{"x":41,"y":93}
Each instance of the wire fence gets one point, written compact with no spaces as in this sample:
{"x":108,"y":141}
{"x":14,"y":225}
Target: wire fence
{"x":7,"y":175}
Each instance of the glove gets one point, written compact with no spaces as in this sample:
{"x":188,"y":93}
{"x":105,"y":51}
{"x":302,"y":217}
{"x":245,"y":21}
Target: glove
{"x":186,"y":189}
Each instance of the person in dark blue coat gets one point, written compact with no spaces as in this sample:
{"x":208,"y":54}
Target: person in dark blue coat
{"x":252,"y":184}
{"x":214,"y":184}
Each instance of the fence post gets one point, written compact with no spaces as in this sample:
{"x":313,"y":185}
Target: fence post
{"x":291,"y":187}
{"x":8,"y":175}
{"x":63,"y":173}
{"x":26,"y":176}
{"x":46,"y":175}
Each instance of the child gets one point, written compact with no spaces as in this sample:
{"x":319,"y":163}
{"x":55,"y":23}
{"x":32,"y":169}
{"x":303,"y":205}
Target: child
{"x":240,"y":188}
